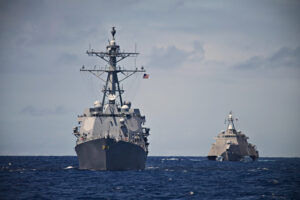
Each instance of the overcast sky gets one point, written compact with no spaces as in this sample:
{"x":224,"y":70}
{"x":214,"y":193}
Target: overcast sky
{"x":205,"y":58}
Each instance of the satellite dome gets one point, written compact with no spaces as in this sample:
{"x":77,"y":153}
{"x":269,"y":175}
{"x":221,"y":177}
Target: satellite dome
{"x":111,"y":98}
{"x":128,"y":103}
{"x":112,"y":42}
{"x":97,"y":104}
{"x":124,"y":108}
{"x":122,"y":120}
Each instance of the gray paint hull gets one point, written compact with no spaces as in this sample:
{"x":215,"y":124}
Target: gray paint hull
{"x":229,"y":156}
{"x":107,"y":154}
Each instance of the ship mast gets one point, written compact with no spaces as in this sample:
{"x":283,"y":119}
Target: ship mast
{"x":230,"y":120}
{"x":112,"y":56}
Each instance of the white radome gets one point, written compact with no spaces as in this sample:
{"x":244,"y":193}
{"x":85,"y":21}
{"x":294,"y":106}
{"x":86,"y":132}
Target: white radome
{"x":125,"y":108}
{"x":97,"y":104}
{"x":112,"y":42}
{"x":111,"y":97}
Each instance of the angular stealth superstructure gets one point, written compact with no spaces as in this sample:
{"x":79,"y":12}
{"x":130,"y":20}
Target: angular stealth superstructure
{"x":232,"y":145}
{"x":110,"y":135}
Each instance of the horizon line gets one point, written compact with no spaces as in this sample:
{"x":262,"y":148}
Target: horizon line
{"x":148,"y":156}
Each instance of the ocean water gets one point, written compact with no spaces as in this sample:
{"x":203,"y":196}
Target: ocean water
{"x":58,"y":177}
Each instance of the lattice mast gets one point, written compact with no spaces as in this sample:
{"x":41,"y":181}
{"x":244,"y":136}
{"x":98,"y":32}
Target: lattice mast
{"x":112,"y":56}
{"x":230,"y":121}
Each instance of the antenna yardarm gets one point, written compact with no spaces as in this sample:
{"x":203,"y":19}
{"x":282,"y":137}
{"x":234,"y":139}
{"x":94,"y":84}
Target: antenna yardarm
{"x":112,"y":56}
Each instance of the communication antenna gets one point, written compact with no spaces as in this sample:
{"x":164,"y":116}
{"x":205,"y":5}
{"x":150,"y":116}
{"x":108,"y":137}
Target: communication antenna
{"x":230,"y":120}
{"x":112,"y":56}
{"x":135,"y":49}
{"x":113,"y":32}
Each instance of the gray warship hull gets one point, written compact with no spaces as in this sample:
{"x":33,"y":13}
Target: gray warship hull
{"x":232,"y":145}
{"x":229,"y":156}
{"x":108,"y":154}
{"x":110,"y":135}
{"x":234,"y":152}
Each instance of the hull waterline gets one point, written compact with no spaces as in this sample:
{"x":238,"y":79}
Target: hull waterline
{"x":108,"y":154}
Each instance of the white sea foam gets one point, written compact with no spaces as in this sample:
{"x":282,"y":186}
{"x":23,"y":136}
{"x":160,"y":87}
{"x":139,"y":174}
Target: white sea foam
{"x":258,"y":169}
{"x":170,"y":159}
{"x":195,"y":160}
{"x":219,"y":158}
{"x":266,"y":160}
{"x":169,"y":170}
{"x":247,"y":159}
{"x":21,"y":170}
{"x":69,"y":167}
{"x":151,"y":167}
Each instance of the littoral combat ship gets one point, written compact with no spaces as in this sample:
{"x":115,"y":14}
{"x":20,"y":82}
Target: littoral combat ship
{"x":232,"y":145}
{"x":110,"y":135}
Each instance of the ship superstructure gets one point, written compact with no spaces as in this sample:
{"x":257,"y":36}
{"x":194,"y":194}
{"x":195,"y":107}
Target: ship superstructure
{"x":232,"y":145}
{"x":110,"y":135}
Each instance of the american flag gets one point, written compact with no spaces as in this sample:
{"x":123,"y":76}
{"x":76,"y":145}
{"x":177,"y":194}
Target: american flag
{"x":146,"y":76}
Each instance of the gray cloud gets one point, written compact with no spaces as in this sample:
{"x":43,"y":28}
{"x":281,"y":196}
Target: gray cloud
{"x":56,"y":23}
{"x":170,"y":57}
{"x":34,"y":111}
{"x":173,"y":57}
{"x":198,"y":52}
{"x":67,"y":58}
{"x":283,"y":58}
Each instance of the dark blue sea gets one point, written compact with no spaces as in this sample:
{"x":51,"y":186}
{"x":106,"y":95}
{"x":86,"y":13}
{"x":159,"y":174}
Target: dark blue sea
{"x":58,"y":177}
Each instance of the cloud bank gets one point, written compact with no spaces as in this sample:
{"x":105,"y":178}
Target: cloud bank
{"x":283,"y":58}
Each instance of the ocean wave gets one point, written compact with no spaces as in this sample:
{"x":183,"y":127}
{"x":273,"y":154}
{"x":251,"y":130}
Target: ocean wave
{"x":266,"y":160}
{"x":59,"y":177}
{"x":170,"y":159}
{"x":196,"y":160}
{"x":151,"y":167}
{"x":69,"y":167}
{"x":258,"y":169}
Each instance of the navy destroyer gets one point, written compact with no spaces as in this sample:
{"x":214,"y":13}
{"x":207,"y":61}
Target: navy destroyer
{"x":110,"y":135}
{"x":232,"y":145}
